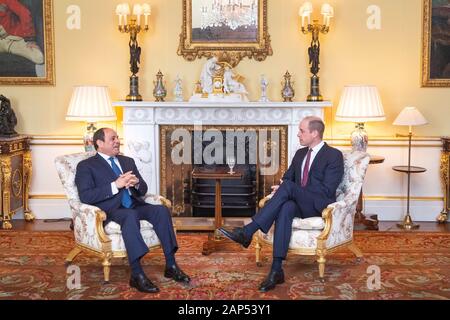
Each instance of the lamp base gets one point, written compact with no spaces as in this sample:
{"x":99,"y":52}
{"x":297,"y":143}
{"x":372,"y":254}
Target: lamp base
{"x":134,"y":89}
{"x":359,"y":138}
{"x":408,"y":224}
{"x":315,"y":90}
{"x":443,"y":217}
{"x":88,"y":137}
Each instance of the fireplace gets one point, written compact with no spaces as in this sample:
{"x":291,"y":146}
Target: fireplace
{"x":258,"y":151}
{"x":146,"y":126}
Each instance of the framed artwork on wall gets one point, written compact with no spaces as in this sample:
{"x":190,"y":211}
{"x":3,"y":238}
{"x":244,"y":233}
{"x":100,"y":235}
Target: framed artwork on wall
{"x":26,"y":42}
{"x":436,"y":43}
{"x":226,"y":29}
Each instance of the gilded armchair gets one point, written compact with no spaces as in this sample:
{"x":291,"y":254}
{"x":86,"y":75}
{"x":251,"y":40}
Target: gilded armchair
{"x":321,"y":235}
{"x":90,"y":234}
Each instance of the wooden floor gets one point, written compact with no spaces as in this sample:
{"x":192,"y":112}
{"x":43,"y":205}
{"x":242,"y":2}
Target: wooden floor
{"x":45,"y":225}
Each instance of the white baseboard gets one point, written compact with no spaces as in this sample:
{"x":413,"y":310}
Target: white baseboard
{"x":387,"y":210}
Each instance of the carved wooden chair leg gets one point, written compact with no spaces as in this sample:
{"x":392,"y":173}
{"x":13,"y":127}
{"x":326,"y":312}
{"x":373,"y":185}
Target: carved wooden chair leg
{"x":258,"y":252}
{"x":321,"y":261}
{"x":72,"y":255}
{"x":106,"y":267}
{"x":356,"y":251}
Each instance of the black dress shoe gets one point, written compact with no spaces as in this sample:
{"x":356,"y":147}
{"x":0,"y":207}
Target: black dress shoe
{"x":143,"y":284}
{"x":274,"y":278}
{"x":237,"y":235}
{"x":176,"y":274}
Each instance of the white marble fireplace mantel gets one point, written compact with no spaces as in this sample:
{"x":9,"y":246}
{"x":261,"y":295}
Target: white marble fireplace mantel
{"x":142,"y":119}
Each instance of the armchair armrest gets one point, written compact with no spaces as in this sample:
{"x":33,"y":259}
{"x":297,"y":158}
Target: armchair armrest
{"x":263,"y":201}
{"x":88,"y":225}
{"x":157,"y":199}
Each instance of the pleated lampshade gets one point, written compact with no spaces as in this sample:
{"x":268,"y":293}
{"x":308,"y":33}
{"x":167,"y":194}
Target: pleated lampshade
{"x":90,"y":104}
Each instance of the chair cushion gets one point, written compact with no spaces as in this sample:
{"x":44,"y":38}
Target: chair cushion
{"x":300,"y":239}
{"x":112,"y":229}
{"x":313,"y":223}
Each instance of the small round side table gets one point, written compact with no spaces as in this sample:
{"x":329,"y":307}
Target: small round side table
{"x":407,"y":222}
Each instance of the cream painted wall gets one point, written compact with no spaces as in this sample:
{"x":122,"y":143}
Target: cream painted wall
{"x":98,"y":54}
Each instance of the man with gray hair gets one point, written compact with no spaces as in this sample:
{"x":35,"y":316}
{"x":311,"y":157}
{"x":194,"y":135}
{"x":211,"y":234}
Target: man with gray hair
{"x":307,"y":187}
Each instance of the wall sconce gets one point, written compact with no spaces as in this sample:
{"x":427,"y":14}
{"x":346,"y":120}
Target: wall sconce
{"x":315,"y":28}
{"x":133,"y":27}
{"x":90,"y":104}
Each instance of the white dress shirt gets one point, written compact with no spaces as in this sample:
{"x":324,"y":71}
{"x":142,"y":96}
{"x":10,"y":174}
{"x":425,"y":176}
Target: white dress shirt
{"x":114,"y":188}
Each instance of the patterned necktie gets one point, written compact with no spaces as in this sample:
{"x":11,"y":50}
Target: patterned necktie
{"x":126,"y":198}
{"x":306,"y":169}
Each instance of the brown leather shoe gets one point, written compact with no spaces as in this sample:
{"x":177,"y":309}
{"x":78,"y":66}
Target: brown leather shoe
{"x":143,"y":284}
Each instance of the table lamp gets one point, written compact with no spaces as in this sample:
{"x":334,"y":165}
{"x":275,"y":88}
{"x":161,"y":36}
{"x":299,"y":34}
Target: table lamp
{"x":409,"y":116}
{"x":90,"y":104}
{"x":360,"y":104}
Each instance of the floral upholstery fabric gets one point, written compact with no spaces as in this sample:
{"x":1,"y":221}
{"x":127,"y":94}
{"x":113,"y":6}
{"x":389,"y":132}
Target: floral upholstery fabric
{"x":85,"y":216}
{"x":306,"y":231}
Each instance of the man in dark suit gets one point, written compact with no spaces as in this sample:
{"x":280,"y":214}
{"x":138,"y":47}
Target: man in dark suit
{"x":307,"y":187}
{"x":112,"y":182}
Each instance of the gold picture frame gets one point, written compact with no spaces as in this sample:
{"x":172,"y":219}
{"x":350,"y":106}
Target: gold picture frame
{"x":231,"y":46}
{"x":435,"y":65}
{"x":27,"y":47}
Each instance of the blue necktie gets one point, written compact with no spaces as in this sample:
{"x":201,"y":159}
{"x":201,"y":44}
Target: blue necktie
{"x":126,"y":198}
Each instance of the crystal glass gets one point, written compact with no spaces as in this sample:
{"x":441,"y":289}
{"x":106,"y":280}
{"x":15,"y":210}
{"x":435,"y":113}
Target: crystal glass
{"x":231,"y":161}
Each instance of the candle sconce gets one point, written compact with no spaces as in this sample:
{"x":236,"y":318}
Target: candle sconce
{"x":133,"y":27}
{"x":315,"y":29}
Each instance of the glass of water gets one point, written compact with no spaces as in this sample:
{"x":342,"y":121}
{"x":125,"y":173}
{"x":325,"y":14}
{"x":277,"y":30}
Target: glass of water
{"x":231,"y":161}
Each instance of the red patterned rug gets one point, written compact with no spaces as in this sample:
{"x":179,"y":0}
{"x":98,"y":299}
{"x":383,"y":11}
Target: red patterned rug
{"x":412,"y":265}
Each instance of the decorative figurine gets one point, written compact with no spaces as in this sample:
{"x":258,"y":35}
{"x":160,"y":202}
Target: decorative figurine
{"x":8,"y":118}
{"x":230,"y":82}
{"x":264,"y":84}
{"x":178,"y":90}
{"x":159,"y":92}
{"x":208,"y":72}
{"x":287,"y":92}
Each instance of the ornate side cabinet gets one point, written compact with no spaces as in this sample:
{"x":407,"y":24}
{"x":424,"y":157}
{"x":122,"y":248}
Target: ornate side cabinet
{"x":445,"y":172}
{"x":15,"y":178}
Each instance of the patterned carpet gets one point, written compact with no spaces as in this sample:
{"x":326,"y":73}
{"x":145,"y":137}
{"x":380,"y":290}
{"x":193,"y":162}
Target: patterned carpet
{"x":413,"y":266}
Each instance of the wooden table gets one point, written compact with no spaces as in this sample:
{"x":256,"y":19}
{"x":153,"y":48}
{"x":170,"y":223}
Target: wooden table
{"x":215,"y":240}
{"x":361,"y":221}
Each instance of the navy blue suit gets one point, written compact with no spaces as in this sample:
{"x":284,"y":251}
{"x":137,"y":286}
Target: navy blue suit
{"x":292,"y":200}
{"x":93,"y":180}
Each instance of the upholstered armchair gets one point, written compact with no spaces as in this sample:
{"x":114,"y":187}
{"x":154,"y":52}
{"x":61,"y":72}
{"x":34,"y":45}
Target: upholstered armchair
{"x":321,"y":235}
{"x":90,"y":234}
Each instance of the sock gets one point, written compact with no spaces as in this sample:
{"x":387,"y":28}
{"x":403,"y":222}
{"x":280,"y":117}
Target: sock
{"x":170,"y":260}
{"x":250,"y":229}
{"x":276,"y":264}
{"x":136,"y":267}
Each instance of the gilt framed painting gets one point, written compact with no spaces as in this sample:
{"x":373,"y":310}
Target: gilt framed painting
{"x":26,"y":42}
{"x":436,"y":43}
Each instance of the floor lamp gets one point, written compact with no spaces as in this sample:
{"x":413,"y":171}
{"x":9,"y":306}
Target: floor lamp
{"x":410,"y":117}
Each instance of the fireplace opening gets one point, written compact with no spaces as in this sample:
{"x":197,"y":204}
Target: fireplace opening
{"x":196,"y":197}
{"x":238,"y":196}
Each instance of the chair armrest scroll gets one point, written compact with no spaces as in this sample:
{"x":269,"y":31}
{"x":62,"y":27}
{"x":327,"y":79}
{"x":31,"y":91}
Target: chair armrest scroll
{"x":263,"y":201}
{"x":157,"y":199}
